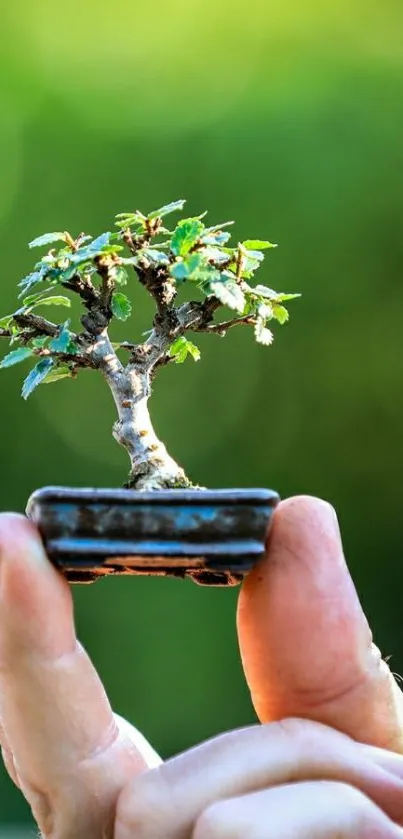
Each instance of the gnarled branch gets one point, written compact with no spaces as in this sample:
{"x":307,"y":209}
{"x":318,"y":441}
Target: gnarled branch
{"x":84,"y":288}
{"x":39,"y":325}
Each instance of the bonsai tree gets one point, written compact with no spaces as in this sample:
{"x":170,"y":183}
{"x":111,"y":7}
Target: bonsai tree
{"x":192,"y":258}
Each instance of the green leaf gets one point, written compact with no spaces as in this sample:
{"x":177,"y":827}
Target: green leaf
{"x":250,"y":263}
{"x":36,"y":376}
{"x":181,"y":348}
{"x":47,"y":239}
{"x":16,"y":356}
{"x":218,"y":238}
{"x":280,"y":313}
{"x":64,"y":342}
{"x":205,"y":275}
{"x":194,"y":262}
{"x":262,"y":334}
{"x":46,"y":260}
{"x":55,"y":300}
{"x":179,"y":271}
{"x":168,"y":208}
{"x":130,"y":260}
{"x":15,"y":335}
{"x":95,"y":248}
{"x":186,"y":268}
{"x":126,"y":220}
{"x":264,"y":311}
{"x":40,"y":343}
{"x":282,"y":298}
{"x":121,"y":306}
{"x":278,"y":297}
{"x":5,"y":322}
{"x":60,"y":372}
{"x":216,"y":255}
{"x":263,"y":291}
{"x":229,"y":293}
{"x":255,"y":256}
{"x":185,"y":236}
{"x":114,"y":249}
{"x":250,"y":305}
{"x":163,"y":231}
{"x":30,"y":280}
{"x":32,"y":298}
{"x":62,"y":274}
{"x":193,"y":350}
{"x":158,"y":257}
{"x":257,"y":244}
{"x":119,"y":275}
{"x":131,"y":214}
{"x":217,"y":228}
{"x":42,"y":269}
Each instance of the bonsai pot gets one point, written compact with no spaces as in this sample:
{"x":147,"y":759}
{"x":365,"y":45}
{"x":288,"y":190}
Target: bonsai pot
{"x":210,"y":536}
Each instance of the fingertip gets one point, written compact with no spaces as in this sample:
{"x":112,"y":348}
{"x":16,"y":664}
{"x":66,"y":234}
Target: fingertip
{"x":15,"y":526}
{"x":17,"y":535}
{"x":36,"y":603}
{"x":303,"y":518}
{"x":22,"y":553}
{"x":307,"y":504}
{"x":298,"y":525}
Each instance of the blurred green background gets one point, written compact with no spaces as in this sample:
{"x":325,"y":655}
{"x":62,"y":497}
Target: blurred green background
{"x":287,"y":117}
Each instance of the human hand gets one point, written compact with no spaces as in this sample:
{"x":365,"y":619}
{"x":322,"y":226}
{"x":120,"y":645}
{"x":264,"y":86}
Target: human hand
{"x":72,"y":758}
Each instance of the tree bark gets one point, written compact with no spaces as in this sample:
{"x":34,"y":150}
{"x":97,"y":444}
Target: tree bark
{"x":151,"y":465}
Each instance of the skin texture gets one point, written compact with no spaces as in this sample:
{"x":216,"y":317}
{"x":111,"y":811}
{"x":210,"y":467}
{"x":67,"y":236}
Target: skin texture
{"x":325,"y":764}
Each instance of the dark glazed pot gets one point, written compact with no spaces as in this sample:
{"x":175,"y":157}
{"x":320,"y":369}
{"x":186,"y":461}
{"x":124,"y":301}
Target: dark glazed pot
{"x":212,"y":536}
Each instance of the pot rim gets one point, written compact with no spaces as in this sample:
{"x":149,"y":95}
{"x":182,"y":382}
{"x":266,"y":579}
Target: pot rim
{"x":80,"y":495}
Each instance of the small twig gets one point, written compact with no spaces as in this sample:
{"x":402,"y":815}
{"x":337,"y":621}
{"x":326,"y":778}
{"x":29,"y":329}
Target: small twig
{"x":107,"y":284}
{"x":221,"y":328}
{"x":127,"y":345}
{"x":170,"y":324}
{"x":84,"y":289}
{"x":135,"y":243}
{"x":162,"y":362}
{"x":39,"y":325}
{"x":239,"y":264}
{"x":97,"y":302}
{"x":78,"y":360}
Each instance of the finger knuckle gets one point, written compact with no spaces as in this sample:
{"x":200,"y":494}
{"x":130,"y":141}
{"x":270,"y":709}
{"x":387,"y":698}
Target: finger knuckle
{"x":140,"y":808}
{"x":361,"y":816}
{"x":307,"y":746}
{"x":350,"y":796}
{"x":133,"y":812}
{"x":216,"y":822}
{"x":304,"y":735}
{"x":292,"y":728}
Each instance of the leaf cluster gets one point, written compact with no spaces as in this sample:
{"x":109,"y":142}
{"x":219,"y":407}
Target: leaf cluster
{"x":164,"y":260}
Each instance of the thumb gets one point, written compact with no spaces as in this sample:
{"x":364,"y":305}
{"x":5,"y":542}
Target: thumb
{"x":305,"y":642}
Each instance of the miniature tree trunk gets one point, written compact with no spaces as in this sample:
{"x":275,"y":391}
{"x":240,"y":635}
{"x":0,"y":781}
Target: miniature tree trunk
{"x":151,"y":465}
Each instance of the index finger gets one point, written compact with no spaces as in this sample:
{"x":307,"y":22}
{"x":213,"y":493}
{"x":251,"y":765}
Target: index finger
{"x":169,"y":800}
{"x":56,"y":718}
